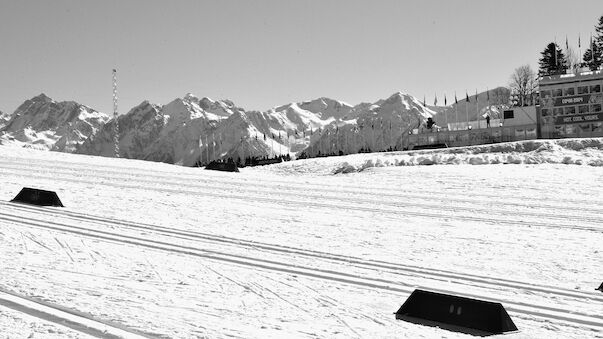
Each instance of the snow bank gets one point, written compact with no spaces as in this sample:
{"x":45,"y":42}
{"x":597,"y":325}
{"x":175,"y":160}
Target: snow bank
{"x":587,"y":151}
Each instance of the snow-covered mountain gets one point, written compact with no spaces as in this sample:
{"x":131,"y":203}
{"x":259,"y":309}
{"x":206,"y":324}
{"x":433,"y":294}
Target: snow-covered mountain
{"x":377,"y":126}
{"x":41,"y":122}
{"x":189,"y":130}
{"x":137,"y":129}
{"x":168,"y":133}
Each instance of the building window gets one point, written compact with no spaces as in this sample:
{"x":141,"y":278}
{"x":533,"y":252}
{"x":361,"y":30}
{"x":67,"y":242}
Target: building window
{"x":597,"y":126}
{"x":595,"y":108}
{"x":568,"y":91}
{"x":545,"y":112}
{"x":584,"y":127}
{"x":595,"y":88}
{"x":583,"y":109}
{"x":569,"y":110}
{"x":557,"y":111}
{"x":557,"y":92}
{"x":582,"y":89}
{"x":545,"y":94}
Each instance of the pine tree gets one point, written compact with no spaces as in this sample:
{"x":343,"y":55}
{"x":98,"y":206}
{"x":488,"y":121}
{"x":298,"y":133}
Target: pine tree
{"x":593,"y":56}
{"x":553,"y":60}
{"x":599,"y":33}
{"x":593,"y":61}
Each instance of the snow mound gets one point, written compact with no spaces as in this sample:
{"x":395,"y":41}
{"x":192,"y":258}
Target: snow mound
{"x":565,"y":151}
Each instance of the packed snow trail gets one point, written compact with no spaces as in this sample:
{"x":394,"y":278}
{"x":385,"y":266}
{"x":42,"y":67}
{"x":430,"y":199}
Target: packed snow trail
{"x":184,"y":252}
{"x":522,"y":308}
{"x":64,"y":317}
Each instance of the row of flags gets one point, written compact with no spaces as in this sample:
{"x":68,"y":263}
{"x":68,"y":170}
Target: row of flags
{"x":579,"y":43}
{"x":435,"y":99}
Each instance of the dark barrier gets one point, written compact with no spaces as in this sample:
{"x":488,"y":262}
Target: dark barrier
{"x":222,"y":166}
{"x":454,"y":313}
{"x":34,"y":196}
{"x":600,"y":288}
{"x":429,"y":146}
{"x":262,"y":162}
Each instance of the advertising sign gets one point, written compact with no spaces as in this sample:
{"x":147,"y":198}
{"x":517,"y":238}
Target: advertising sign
{"x":572,"y":119}
{"x":574,"y":100}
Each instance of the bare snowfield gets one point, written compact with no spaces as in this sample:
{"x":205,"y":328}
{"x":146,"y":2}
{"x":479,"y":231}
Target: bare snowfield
{"x":318,"y":248}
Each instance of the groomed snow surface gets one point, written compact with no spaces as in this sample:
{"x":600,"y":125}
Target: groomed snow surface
{"x":318,"y":248}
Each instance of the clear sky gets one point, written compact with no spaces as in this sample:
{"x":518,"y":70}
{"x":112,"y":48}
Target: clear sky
{"x":262,"y":54}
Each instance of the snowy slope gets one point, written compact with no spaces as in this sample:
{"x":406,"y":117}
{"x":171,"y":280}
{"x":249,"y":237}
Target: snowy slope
{"x":395,"y":116}
{"x":137,"y":129}
{"x":43,"y":123}
{"x":292,"y":250}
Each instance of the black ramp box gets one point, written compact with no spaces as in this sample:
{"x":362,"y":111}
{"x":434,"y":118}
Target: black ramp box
{"x":456,"y":313}
{"x":34,"y":196}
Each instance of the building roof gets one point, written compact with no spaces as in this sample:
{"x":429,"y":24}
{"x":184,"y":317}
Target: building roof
{"x":570,"y":77}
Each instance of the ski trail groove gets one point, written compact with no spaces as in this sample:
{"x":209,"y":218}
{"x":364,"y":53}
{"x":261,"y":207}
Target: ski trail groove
{"x":541,"y":311}
{"x":396,"y":209}
{"x":396,"y":268}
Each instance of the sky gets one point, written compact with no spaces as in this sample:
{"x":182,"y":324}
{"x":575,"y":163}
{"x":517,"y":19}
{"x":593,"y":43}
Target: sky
{"x":266,"y":53}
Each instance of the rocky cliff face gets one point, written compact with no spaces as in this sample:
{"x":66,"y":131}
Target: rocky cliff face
{"x":43,"y":123}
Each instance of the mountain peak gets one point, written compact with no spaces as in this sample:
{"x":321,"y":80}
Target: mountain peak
{"x":191,"y":97}
{"x":41,"y":98}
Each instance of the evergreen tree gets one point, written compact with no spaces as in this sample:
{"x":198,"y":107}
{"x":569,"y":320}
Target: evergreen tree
{"x":593,"y":57}
{"x":599,"y":33}
{"x":553,"y":60}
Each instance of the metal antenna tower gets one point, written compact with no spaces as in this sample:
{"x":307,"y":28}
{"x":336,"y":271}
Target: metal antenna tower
{"x":115,"y":126}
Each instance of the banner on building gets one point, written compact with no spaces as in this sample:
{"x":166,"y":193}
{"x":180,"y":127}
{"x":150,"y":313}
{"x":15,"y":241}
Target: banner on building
{"x":582,"y":118}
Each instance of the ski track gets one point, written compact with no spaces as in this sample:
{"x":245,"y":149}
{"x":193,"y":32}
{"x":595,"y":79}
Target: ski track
{"x":527,"y":309}
{"x":554,"y":221}
{"x":197,"y":236}
{"x":270,"y":186}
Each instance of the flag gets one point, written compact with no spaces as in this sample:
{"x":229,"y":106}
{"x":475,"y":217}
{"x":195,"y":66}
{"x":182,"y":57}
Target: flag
{"x":445,"y":101}
{"x":467,"y":96}
{"x":455,"y":100}
{"x":579,"y":41}
{"x":555,"y":51}
{"x":435,"y":99}
{"x":592,"y":50}
{"x":566,"y":44}
{"x":424,"y":100}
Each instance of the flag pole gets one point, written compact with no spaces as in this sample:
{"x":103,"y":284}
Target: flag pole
{"x":456,"y":113}
{"x":467,"y":109}
{"x":477,"y":110}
